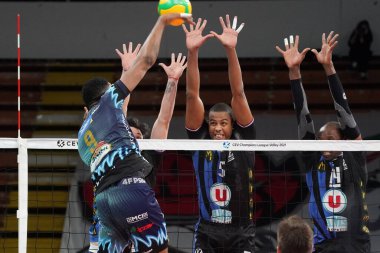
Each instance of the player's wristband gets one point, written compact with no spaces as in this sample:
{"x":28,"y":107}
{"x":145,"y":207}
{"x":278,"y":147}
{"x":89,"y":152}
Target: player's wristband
{"x":172,"y":77}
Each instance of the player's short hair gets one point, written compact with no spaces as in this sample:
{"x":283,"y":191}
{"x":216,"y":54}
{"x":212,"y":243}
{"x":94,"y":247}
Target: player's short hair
{"x":92,"y":90}
{"x":331,"y":124}
{"x":142,"y":126}
{"x":223,"y":107}
{"x":294,"y":235}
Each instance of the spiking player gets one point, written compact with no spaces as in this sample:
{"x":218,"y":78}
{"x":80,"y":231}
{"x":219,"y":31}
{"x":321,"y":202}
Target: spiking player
{"x":336,"y":180}
{"x":127,"y":209}
{"x":224,"y":179}
{"x":141,"y":130}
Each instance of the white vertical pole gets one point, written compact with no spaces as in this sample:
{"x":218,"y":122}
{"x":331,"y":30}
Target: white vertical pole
{"x":22,"y":159}
{"x":22,"y":212}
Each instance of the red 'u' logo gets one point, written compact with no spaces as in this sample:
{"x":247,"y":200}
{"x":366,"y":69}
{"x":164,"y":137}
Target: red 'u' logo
{"x":336,"y":203}
{"x":218,"y":193}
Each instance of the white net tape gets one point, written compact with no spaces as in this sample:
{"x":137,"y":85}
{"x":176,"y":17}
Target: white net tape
{"x":233,"y":145}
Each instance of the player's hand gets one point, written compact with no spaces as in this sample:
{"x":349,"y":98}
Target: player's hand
{"x":194,"y":37}
{"x":167,"y":18}
{"x":324,"y":56}
{"x":229,"y":36}
{"x":128,"y":56}
{"x":176,"y":67}
{"x":293,"y":58}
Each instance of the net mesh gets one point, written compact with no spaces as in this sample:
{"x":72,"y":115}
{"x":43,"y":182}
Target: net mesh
{"x":60,"y":192}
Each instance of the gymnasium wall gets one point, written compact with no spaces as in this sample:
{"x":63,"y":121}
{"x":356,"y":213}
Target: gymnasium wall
{"x":83,"y":30}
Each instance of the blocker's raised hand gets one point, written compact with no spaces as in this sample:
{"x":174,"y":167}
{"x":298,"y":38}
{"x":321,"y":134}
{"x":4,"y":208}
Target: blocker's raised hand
{"x":194,"y":37}
{"x":176,"y":67}
{"x":324,"y":56}
{"x":293,"y":58}
{"x":228,"y":38}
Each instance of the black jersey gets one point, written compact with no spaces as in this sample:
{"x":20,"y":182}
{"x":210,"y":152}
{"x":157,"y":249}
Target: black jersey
{"x":225,"y":180}
{"x":337,"y":196}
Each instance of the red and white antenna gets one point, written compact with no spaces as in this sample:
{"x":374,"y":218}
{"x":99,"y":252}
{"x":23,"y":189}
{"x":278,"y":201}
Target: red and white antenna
{"x":18,"y":76}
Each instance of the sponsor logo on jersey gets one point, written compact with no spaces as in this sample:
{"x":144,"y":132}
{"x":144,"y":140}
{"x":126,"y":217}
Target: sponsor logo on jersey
{"x":209,"y":155}
{"x":344,"y":165}
{"x":336,"y":223}
{"x":137,"y":218}
{"x":334,"y":201}
{"x":143,"y":228}
{"x":220,"y":194}
{"x":335,"y":178}
{"x":101,"y":150}
{"x":230,"y":156}
{"x":221,"y":216}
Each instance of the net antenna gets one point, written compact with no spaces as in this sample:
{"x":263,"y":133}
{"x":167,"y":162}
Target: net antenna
{"x":22,"y":159}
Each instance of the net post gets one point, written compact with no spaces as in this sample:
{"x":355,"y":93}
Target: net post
{"x":18,"y":77}
{"x":22,"y":212}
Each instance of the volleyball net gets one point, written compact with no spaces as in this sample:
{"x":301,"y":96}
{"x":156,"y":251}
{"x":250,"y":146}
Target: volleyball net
{"x":46,"y":191}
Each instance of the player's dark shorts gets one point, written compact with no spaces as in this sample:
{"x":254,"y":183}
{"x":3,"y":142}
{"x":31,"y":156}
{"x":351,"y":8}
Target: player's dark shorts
{"x":130,"y":218}
{"x":343,"y":245}
{"x":218,"y":238}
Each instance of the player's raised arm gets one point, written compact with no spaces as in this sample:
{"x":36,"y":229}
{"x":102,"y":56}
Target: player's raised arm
{"x":194,"y":105}
{"x":149,"y":51}
{"x":345,"y":116}
{"x":239,"y":102}
{"x":174,"y":72}
{"x":128,"y":57}
{"x":293,"y":59}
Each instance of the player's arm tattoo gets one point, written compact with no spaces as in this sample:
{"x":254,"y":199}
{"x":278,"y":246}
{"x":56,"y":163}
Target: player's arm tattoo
{"x":170,"y":86}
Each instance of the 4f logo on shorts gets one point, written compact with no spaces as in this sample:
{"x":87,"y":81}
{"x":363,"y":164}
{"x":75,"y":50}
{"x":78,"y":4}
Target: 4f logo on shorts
{"x":334,"y":201}
{"x":198,"y":250}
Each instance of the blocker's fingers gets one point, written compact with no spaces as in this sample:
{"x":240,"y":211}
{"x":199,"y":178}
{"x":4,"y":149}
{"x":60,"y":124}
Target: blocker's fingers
{"x":291,"y":40}
{"x":184,"y":28}
{"x":280,"y":50}
{"x":183,"y":60}
{"x":124,"y":48}
{"x":330,"y":36}
{"x":240,"y":28}
{"x":137,"y":49}
{"x":179,"y":57}
{"x":286,"y":42}
{"x":130,"y":46}
{"x":234,"y":23}
{"x":199,"y":22}
{"x":228,"y":22}
{"x":222,"y":22}
{"x":173,"y":57}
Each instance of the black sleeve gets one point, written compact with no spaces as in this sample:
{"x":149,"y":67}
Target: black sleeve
{"x":345,"y":117}
{"x":359,"y":157}
{"x":305,"y":123}
{"x":121,"y":90}
{"x":154,"y":158}
{"x":201,"y":133}
{"x":244,"y":133}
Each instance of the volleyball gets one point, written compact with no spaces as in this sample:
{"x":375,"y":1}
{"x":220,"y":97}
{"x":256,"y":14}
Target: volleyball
{"x":174,"y":6}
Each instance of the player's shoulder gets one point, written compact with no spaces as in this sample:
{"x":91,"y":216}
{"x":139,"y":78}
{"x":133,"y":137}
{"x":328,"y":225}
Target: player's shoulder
{"x":244,"y":131}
